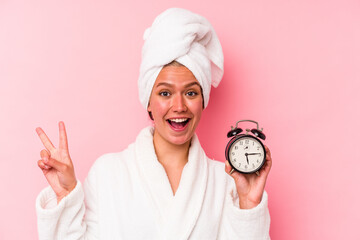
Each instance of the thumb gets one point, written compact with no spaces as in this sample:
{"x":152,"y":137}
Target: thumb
{"x":59,"y":166}
{"x":228,"y":168}
{"x":44,"y":154}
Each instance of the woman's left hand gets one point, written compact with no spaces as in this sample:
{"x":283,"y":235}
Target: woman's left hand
{"x":250,"y":187}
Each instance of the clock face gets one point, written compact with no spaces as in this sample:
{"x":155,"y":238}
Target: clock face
{"x":246,"y":154}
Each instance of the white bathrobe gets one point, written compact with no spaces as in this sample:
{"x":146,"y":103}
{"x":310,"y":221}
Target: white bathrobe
{"x":127,"y":195}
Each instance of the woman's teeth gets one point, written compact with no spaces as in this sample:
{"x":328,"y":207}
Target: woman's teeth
{"x":178,"y":120}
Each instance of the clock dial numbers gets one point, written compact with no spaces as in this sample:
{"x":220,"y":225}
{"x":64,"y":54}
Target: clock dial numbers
{"x":246,"y":154}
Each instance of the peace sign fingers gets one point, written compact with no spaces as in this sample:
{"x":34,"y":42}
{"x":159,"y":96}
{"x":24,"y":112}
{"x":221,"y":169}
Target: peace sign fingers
{"x":56,"y":163}
{"x":62,"y":152}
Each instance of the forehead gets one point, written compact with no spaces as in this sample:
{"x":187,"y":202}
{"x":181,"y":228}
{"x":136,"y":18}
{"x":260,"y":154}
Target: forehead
{"x":175,"y":75}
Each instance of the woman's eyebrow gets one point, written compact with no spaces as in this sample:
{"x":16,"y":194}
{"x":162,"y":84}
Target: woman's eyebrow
{"x":171,"y":85}
{"x":193,"y":83}
{"x":165,"y":84}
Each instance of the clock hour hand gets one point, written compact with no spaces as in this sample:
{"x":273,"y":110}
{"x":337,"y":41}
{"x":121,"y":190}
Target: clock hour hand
{"x":247,"y":159}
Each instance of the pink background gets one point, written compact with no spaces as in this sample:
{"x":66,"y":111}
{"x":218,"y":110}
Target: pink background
{"x":291,"y":65}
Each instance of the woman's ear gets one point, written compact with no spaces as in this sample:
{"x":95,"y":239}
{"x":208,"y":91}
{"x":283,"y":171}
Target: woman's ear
{"x":149,"y":112}
{"x":150,"y":116}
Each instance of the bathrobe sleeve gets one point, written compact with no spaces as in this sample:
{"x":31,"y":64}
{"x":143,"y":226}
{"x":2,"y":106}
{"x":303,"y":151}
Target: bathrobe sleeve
{"x":68,"y":219}
{"x":236,"y":223}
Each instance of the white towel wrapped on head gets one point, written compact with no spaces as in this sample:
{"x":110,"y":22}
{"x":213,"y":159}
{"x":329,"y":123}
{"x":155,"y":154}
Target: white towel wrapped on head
{"x":188,"y":38}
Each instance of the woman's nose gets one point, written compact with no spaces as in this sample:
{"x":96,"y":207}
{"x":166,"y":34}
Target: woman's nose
{"x":179,"y":104}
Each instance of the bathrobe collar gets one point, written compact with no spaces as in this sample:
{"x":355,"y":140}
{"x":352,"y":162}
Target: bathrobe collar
{"x":177,"y":214}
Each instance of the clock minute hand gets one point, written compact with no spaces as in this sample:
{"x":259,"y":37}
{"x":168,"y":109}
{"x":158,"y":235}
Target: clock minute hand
{"x":253,"y":153}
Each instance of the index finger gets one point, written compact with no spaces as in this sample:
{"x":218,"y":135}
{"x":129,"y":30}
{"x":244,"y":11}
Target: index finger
{"x":267,"y":149}
{"x":268,"y":153}
{"x":44,"y":139}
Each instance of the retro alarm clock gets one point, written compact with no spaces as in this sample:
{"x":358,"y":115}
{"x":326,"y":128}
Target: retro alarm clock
{"x":245,"y":152}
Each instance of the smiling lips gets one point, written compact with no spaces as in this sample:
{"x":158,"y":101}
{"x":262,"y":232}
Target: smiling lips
{"x":178,"y":124}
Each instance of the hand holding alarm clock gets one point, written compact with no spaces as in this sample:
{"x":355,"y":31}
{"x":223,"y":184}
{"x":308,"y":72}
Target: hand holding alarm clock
{"x":248,"y":162}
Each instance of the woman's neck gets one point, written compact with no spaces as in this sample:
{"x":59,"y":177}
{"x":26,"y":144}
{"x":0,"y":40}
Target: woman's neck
{"x":170,"y":155}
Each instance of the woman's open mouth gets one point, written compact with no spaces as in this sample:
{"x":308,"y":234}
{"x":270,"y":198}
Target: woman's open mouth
{"x":178,"y":123}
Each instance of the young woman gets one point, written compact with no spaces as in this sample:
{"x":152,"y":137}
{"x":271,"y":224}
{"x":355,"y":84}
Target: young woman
{"x":162,"y":186}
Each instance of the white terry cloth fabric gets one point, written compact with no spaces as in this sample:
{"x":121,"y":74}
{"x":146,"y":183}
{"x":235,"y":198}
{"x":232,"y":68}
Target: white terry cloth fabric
{"x":127,"y":195}
{"x":178,"y":34}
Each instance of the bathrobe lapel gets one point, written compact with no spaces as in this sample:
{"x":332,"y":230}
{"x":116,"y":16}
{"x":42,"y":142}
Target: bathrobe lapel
{"x":176,"y":215}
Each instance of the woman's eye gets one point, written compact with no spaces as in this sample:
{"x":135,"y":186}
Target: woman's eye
{"x":191,"y":93}
{"x":164,"y":94}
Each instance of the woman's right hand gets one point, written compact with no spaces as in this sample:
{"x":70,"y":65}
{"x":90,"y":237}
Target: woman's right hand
{"x":56,"y":163}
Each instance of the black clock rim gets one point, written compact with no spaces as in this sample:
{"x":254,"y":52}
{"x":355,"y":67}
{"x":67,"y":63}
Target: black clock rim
{"x":227,"y":149}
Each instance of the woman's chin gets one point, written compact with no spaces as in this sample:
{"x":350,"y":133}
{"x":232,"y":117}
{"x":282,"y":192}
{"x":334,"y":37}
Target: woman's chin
{"x":179,"y":140}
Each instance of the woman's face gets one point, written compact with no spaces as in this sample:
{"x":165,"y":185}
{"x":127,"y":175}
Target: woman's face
{"x":176,"y":104}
